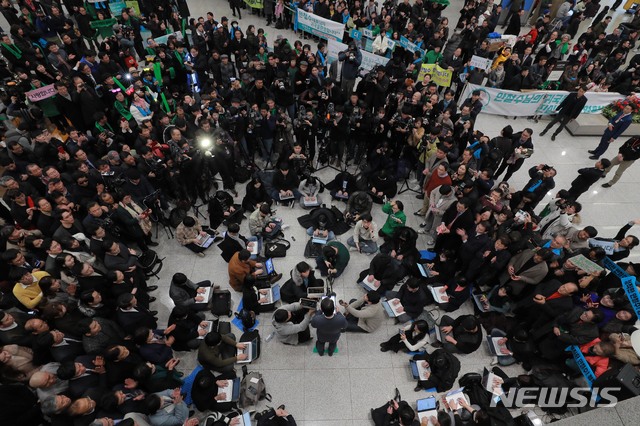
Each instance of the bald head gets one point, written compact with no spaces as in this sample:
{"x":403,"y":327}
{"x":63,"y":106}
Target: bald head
{"x":42,"y":379}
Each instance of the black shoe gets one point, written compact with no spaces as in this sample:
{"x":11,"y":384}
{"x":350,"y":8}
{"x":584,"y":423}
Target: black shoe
{"x":398,"y":398}
{"x":384,"y":349}
{"x":594,"y":157}
{"x":420,"y":196}
{"x":152,"y":288}
{"x":275,"y":278}
{"x":321,"y":353}
{"x":591,"y":151}
{"x":154,"y":313}
{"x":417,"y":388}
{"x":418,"y":213}
{"x":152,"y":244}
{"x":606,"y":185}
{"x":553,"y":137}
{"x":152,"y":299}
{"x":281,"y":407}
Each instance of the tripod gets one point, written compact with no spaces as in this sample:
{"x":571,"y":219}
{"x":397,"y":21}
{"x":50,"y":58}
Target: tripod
{"x":406,"y":187}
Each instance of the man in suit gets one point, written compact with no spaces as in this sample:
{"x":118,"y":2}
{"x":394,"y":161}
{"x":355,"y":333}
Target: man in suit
{"x":55,"y":345}
{"x":569,"y":109}
{"x":628,"y":153}
{"x":616,"y":127}
{"x":130,"y":315}
{"x":84,"y":373}
{"x":527,"y":268}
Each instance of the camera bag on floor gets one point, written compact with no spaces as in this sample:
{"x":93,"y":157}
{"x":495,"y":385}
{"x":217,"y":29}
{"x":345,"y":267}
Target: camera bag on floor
{"x":276,"y":248}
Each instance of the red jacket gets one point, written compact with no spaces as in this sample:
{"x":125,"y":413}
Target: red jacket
{"x":600,"y":364}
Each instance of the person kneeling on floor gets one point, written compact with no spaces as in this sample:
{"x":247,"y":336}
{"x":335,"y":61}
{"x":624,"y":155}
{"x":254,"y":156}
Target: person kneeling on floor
{"x":291,"y":323}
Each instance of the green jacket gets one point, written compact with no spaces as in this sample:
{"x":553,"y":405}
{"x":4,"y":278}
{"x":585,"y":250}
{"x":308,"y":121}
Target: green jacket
{"x":342,"y":259}
{"x":432,"y":57}
{"x":391,"y":224}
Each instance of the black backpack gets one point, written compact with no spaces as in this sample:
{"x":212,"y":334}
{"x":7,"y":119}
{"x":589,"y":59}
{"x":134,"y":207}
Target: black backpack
{"x":177,"y":214}
{"x":248,"y":319}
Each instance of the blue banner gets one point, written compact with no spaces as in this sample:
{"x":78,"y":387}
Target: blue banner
{"x":628,"y":284}
{"x":582,"y":364}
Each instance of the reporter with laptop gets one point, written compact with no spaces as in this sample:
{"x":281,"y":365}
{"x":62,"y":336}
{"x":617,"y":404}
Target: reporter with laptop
{"x":219,"y":352}
{"x":242,"y":269}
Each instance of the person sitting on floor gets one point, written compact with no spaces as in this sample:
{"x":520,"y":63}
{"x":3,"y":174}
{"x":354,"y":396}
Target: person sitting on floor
{"x":364,"y":315}
{"x":412,"y":337}
{"x":302,"y":277}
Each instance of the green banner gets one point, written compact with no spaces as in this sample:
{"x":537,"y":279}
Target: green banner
{"x":134,"y":5}
{"x":255,"y":4}
{"x":103,"y":23}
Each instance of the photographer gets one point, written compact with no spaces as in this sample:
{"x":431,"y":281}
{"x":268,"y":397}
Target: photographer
{"x":306,"y":128}
{"x":333,"y":260}
{"x":339,"y":134}
{"x":351,"y":60}
{"x":541,"y":182}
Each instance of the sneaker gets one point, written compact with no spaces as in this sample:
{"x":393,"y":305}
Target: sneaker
{"x":430,"y":241}
{"x":201,"y":254}
{"x":418,"y":213}
{"x":606,"y":185}
{"x":423,"y":231}
{"x":423,"y":224}
{"x":352,"y":248}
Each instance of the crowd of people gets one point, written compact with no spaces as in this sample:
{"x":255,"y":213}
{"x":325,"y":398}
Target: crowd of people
{"x":121,"y":147}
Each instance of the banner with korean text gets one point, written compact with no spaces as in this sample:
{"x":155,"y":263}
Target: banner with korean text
{"x":321,"y":27}
{"x":440,"y":76}
{"x":254,"y":4}
{"x":534,"y":102}
{"x":369,"y":60}
{"x":41,"y":93}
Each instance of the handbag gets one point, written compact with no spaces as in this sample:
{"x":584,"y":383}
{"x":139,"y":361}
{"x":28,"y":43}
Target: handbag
{"x":276,"y":248}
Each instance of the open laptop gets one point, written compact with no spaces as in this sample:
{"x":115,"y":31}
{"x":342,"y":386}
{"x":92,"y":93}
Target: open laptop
{"x":251,"y":349}
{"x":206,"y":296}
{"x":438,"y":334}
{"x":477,"y":298}
{"x":267,"y":269}
{"x":419,"y":371}
{"x":368,"y":284}
{"x":273,"y":295}
{"x":455,"y":395}
{"x":427,"y":408}
{"x":204,"y":241}
{"x":391,"y":309}
{"x":424,"y":270}
{"x":286,"y":197}
{"x":438,"y":296}
{"x":317,"y":239}
{"x":231,"y":390}
{"x":309,"y":303}
{"x":208,"y":326}
{"x":494,"y":347}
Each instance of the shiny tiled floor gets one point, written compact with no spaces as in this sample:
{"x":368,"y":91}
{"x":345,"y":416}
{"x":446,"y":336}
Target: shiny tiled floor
{"x":339,"y":391}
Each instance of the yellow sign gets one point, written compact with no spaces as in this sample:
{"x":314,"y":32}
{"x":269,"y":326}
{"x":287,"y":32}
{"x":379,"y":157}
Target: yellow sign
{"x":440,"y":76}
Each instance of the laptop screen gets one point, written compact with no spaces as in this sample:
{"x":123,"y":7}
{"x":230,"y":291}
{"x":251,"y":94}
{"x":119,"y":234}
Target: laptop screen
{"x":423,"y":271}
{"x":426,"y":404}
{"x":269,"y":266}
